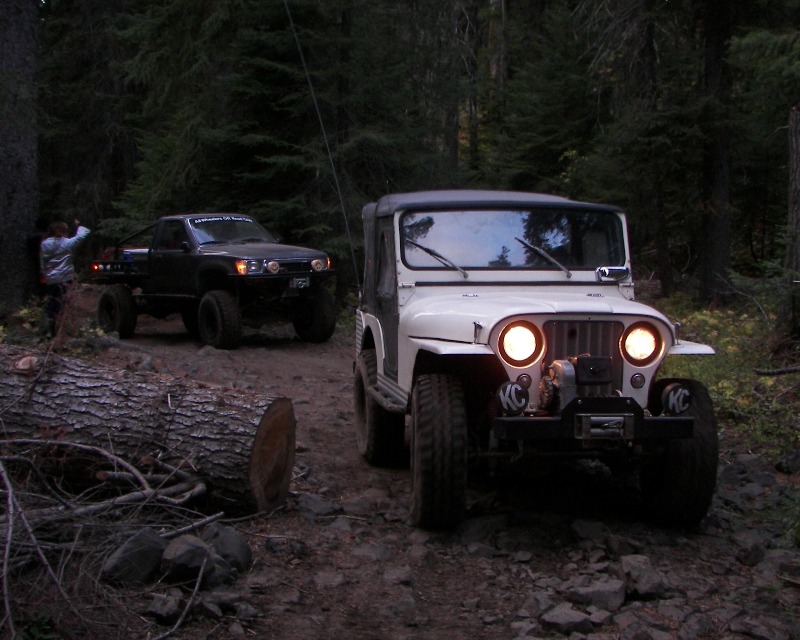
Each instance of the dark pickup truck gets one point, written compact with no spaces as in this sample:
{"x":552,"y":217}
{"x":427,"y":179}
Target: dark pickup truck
{"x":220,"y":272}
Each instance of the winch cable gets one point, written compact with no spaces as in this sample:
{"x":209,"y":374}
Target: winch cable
{"x":327,"y":145}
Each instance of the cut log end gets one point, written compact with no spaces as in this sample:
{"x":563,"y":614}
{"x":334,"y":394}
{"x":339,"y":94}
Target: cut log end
{"x":272,"y":455}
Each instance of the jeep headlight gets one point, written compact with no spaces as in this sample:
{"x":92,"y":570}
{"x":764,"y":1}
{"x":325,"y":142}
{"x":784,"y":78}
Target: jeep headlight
{"x":641,"y":344}
{"x":520,"y":344}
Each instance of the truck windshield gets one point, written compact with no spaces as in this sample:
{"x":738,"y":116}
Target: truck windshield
{"x":505,"y":239}
{"x":228,"y":229}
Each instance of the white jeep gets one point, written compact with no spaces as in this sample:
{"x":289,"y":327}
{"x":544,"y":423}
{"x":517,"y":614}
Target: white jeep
{"x":501,"y":326}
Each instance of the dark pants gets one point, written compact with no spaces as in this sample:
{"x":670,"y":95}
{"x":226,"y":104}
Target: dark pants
{"x":55,"y":294}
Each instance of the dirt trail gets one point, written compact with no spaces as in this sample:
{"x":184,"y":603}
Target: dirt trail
{"x":340,"y":561}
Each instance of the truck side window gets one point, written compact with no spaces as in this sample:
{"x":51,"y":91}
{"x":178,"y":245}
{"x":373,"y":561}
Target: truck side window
{"x":172,"y":235}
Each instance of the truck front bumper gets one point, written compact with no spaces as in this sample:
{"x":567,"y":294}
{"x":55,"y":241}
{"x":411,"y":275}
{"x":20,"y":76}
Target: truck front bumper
{"x":595,"y":419}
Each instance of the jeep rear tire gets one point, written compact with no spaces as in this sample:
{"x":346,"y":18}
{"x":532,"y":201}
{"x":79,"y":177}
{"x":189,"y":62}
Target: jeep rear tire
{"x":380,"y":434}
{"x":219,"y":320}
{"x":314,"y":314}
{"x":677,"y":485}
{"x":438,"y":452}
{"x":116,"y":311}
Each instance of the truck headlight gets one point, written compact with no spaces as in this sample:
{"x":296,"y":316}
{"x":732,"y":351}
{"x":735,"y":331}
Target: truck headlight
{"x":319,"y":264}
{"x":641,"y":344}
{"x":520,"y":344}
{"x":243,"y":267}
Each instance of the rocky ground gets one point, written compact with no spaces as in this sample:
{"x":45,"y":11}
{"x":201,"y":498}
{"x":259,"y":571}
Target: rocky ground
{"x":544,"y":554}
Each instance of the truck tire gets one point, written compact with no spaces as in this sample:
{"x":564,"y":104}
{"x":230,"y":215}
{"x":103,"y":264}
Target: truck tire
{"x":219,"y":320}
{"x":314,"y":315}
{"x":116,"y":310}
{"x":438,"y":452}
{"x":380,"y":434}
{"x":677,"y":485}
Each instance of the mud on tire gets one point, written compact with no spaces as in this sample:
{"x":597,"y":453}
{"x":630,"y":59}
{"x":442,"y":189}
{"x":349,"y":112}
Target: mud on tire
{"x":219,"y":321}
{"x":116,"y":310}
{"x":438,"y":452}
{"x":677,"y":485}
{"x":380,"y":434}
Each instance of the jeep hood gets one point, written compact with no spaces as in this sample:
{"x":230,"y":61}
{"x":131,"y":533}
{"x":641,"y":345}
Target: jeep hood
{"x":452,"y":317}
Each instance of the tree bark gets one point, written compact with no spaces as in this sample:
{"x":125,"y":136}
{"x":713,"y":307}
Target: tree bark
{"x":241,"y":444}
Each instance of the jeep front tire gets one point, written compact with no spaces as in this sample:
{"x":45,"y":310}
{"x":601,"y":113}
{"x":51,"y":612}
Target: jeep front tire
{"x":219,"y":320}
{"x":116,"y":310}
{"x":438,"y":452}
{"x":380,"y":434}
{"x":678,"y":484}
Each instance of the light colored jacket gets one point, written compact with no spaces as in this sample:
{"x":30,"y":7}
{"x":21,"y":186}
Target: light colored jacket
{"x":55,"y":256}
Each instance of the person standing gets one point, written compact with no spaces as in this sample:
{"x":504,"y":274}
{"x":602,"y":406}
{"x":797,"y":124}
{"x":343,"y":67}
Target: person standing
{"x":58,"y":271}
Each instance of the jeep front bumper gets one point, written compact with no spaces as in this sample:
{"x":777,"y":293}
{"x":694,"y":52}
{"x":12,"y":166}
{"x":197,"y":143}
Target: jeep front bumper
{"x":594,"y":419}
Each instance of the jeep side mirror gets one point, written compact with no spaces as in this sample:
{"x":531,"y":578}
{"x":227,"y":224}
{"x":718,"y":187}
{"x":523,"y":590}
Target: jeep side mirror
{"x":186,"y":247}
{"x":611,"y":274}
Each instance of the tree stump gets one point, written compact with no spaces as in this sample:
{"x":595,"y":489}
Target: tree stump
{"x":242,"y":444}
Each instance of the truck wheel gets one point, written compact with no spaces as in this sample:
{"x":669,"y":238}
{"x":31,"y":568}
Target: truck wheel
{"x":219,"y":321}
{"x":438,"y":452}
{"x":314,"y":315}
{"x":116,"y":310}
{"x":380,"y":434}
{"x":677,"y":486}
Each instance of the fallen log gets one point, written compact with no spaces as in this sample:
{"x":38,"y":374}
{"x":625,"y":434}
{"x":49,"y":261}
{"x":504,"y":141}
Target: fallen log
{"x":240,"y":443}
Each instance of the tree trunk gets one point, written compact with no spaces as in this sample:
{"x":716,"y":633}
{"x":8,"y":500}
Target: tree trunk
{"x":792,"y":263}
{"x":716,"y":237}
{"x":241,"y":444}
{"x":19,"y":191}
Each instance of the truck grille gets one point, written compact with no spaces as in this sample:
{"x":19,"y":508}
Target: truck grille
{"x":567,"y":338}
{"x":294,"y":266}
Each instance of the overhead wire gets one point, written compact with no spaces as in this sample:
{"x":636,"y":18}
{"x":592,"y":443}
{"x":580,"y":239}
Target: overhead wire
{"x":327,"y":145}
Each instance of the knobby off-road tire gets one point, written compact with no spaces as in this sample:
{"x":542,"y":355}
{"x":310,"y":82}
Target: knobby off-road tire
{"x":219,"y":320}
{"x":314,"y":314}
{"x":678,"y":485}
{"x":438,"y":452}
{"x":380,"y":434}
{"x":116,"y":310}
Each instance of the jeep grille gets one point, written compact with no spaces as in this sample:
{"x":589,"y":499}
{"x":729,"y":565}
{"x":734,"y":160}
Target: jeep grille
{"x":567,"y":338}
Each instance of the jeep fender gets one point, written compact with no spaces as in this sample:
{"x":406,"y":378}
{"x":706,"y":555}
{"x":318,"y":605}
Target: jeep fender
{"x":686,"y":348}
{"x":408,"y":358}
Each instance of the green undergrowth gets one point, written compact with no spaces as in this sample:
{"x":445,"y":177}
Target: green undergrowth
{"x":758,"y":413}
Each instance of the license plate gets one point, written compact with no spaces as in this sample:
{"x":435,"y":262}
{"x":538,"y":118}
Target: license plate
{"x":301,"y":283}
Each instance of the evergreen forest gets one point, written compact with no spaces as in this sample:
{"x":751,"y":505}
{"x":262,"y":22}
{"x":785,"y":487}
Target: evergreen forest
{"x":301,"y":111}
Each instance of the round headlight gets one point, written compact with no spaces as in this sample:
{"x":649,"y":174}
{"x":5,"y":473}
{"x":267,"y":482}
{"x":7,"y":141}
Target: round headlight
{"x":318,"y":264}
{"x":641,"y":344}
{"x":273,"y":267}
{"x":520,"y":344}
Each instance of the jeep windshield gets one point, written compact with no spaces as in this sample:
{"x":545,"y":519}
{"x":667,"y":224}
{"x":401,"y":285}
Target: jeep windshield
{"x":228,"y":229}
{"x":555,"y":238}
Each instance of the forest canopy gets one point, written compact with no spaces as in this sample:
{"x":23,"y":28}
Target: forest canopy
{"x":300,"y":111}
